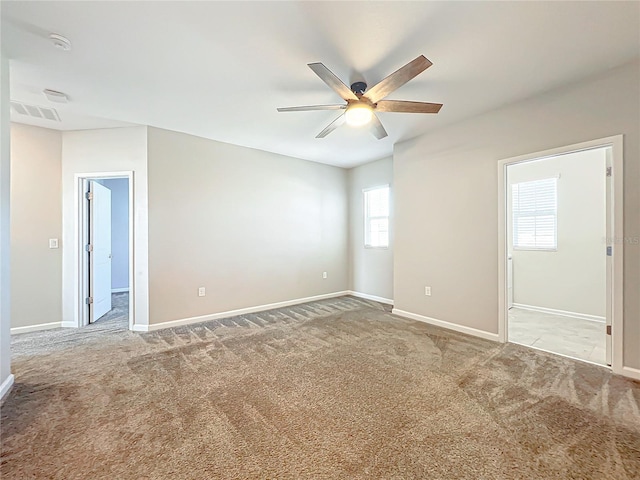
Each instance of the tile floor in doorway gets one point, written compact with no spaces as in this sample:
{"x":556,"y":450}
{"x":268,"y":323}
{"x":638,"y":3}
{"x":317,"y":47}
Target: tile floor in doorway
{"x":574,"y":337}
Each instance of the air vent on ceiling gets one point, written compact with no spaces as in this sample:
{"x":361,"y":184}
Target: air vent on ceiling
{"x":34,"y":111}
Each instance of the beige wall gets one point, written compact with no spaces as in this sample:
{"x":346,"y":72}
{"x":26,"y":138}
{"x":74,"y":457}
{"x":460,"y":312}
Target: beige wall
{"x":370,"y":269}
{"x":96,"y":152}
{"x":573,"y":277}
{"x":251,"y":227}
{"x":36,"y":216}
{"x":446,"y":197}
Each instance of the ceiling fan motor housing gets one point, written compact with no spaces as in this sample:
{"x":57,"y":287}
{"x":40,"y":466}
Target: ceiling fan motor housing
{"x":358,"y":87}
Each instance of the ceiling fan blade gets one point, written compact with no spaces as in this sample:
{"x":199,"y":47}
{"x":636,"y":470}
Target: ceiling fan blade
{"x":332,"y":126}
{"x":407,"y":107}
{"x":397,"y":79}
{"x":334,"y":82}
{"x":312,"y":107}
{"x":376,"y":127}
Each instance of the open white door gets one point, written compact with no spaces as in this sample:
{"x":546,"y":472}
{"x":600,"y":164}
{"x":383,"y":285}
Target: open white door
{"x":609,"y":252}
{"x":99,"y":251}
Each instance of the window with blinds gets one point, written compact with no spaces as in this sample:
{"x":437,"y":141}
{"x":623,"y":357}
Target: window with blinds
{"x":376,"y":217}
{"x":535,"y":208}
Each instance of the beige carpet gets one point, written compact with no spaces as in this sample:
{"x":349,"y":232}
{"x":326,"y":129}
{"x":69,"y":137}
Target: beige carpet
{"x":339,"y":389}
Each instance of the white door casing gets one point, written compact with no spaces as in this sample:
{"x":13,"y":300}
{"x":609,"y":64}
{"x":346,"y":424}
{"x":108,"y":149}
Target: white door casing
{"x":615,"y":232}
{"x":100,"y":252}
{"x":510,"y":280}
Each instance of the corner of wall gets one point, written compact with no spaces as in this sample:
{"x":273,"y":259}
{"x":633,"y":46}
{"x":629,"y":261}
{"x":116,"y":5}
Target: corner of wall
{"x":6,"y":379}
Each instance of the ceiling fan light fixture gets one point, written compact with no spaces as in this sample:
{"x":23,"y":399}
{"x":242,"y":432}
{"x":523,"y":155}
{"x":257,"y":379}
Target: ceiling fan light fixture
{"x":362,"y":101}
{"x":358,"y":114}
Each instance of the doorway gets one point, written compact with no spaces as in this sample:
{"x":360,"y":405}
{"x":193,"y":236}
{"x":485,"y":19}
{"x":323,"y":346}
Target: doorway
{"x":105,"y":241}
{"x":560,"y":270}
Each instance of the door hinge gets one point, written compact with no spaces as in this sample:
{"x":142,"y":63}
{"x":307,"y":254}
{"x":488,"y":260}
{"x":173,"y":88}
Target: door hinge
{"x":88,"y":248}
{"x":88,"y":300}
{"x":608,"y":171}
{"x":609,"y":251}
{"x":89,"y":196}
{"x":608,"y":329}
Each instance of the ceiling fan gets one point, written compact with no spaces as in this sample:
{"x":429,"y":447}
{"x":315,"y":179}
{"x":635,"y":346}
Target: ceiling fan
{"x":362,"y":104}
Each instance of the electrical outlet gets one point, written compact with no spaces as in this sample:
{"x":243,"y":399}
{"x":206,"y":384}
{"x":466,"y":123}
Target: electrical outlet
{"x":202,"y":292}
{"x":53,"y":243}
{"x":427,"y":291}
{"x":324,"y":274}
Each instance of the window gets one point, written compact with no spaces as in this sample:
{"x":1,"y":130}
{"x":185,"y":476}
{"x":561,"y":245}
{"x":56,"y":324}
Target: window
{"x":535,"y":208}
{"x":376,"y":217}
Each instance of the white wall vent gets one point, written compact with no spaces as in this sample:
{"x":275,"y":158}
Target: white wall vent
{"x":44,"y":113}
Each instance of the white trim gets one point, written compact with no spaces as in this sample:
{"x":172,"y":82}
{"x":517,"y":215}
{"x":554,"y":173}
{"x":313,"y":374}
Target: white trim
{"x":233,"y":313}
{"x":68,"y":325}
{"x":35,"y":328}
{"x":617,"y":231}
{"x":81,"y":311}
{"x":375,"y":298}
{"x":562,"y":313}
{"x":449,"y":326}
{"x":6,"y":385}
{"x":120,"y":290}
{"x":616,"y":200}
{"x":631,"y":372}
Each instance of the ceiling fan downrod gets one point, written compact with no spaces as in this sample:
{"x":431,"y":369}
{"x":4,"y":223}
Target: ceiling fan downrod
{"x":358,"y":88}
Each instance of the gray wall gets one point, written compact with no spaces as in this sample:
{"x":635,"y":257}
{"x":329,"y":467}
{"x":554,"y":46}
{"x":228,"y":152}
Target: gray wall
{"x":36,"y":216}
{"x":370,"y":269}
{"x":251,"y":227}
{"x":119,"y":231}
{"x":573,"y":277}
{"x":5,"y":238}
{"x":446,"y":197}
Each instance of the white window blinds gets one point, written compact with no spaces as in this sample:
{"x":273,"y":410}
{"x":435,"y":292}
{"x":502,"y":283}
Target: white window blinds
{"x":535,"y":206}
{"x":376,"y":213}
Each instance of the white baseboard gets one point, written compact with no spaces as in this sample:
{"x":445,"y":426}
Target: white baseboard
{"x":6,"y":385}
{"x":631,"y":372}
{"x":449,"y":326}
{"x":562,"y":313}
{"x":69,"y":325}
{"x":35,"y":328}
{"x":233,"y":313}
{"x":119,"y":290}
{"x":375,"y":298}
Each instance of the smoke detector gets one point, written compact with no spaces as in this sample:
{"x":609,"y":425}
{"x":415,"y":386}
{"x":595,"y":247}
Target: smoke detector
{"x":57,"y":97}
{"x":60,"y":42}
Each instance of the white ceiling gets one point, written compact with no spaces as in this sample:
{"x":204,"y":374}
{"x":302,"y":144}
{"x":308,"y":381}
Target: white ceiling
{"x":220,"y":69}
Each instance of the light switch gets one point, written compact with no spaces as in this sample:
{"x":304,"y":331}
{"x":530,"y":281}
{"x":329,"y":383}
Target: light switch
{"x":53,"y":243}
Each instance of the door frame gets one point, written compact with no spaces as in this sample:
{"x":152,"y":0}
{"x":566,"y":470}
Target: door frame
{"x":615,"y":204}
{"x":81,"y":270}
